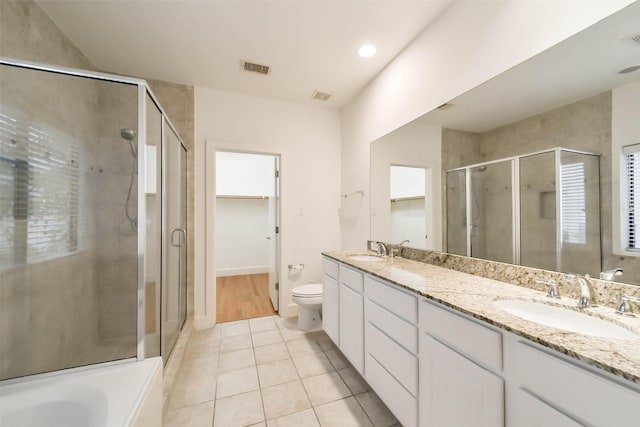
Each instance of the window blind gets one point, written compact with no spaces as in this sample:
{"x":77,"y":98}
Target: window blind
{"x":40,"y":184}
{"x":573,"y":203}
{"x":632,"y":218}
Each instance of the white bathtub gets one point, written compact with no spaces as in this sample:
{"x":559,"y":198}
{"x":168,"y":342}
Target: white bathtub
{"x":126,"y":394}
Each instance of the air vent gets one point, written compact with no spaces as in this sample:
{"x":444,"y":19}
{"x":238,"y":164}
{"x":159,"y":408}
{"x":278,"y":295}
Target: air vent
{"x":321,"y":95}
{"x":256,"y":68}
{"x":635,"y":39}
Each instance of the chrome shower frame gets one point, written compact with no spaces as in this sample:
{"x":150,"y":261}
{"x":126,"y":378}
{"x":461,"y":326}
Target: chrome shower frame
{"x":143,"y":89}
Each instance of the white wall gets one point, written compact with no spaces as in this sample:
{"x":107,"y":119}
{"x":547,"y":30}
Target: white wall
{"x":625,"y":130}
{"x":308,"y":140}
{"x":468,"y":44}
{"x":241,"y":234}
{"x":243,"y":174}
{"x":416,"y":144}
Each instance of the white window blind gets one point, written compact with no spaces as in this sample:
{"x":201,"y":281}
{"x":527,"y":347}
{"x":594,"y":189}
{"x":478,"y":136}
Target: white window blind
{"x":573,"y":203}
{"x":39,"y":184}
{"x":632,"y":218}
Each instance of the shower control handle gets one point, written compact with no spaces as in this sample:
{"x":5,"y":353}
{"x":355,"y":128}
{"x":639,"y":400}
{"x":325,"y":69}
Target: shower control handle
{"x":182,"y":240}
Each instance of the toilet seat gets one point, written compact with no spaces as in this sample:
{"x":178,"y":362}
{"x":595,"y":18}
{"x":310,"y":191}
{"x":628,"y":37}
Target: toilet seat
{"x":312,"y":290}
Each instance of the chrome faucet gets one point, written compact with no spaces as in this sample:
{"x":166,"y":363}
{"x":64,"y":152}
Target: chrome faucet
{"x":611,"y":274}
{"x":382,"y":249}
{"x":553,"y":287}
{"x":623,"y":308}
{"x":586,"y":293}
{"x":404,"y":241}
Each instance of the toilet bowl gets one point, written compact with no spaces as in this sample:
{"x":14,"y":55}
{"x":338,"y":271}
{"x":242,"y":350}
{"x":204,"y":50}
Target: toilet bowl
{"x":309,"y":299}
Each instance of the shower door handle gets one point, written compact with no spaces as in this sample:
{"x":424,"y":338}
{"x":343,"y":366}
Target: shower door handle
{"x":182,"y":240}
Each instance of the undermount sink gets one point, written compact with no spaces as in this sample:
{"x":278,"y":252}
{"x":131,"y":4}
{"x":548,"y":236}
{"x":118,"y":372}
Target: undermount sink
{"x":365,"y":258}
{"x":565,"y":319}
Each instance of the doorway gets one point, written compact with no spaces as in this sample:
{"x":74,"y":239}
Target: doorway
{"x":410,"y":206}
{"x":247,"y":243}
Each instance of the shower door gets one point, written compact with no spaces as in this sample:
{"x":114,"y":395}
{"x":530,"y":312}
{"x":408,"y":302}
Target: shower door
{"x":174,"y":247}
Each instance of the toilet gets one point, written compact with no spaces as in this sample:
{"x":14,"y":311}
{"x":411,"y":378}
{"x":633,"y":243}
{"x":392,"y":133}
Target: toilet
{"x":309,"y":299}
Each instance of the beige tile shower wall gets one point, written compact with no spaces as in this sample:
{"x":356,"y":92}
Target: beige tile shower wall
{"x":48,"y":307}
{"x":584,"y":125}
{"x":28,"y":33}
{"x":178,"y":102}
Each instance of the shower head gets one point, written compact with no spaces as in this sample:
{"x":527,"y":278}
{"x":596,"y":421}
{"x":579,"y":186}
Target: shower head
{"x":128,"y":134}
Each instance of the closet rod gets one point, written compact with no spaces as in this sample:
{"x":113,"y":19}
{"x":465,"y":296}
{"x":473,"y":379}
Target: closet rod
{"x":242,"y":197}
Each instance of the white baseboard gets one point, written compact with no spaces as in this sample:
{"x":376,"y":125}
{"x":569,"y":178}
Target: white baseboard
{"x":239,"y":271}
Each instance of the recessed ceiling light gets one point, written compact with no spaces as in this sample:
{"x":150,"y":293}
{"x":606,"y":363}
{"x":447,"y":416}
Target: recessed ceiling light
{"x":367,"y":51}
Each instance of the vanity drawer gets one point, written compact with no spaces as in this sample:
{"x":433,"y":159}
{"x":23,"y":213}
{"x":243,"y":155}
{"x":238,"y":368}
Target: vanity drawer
{"x":401,"y":364}
{"x":397,"y":398}
{"x":403,"y":333}
{"x":477,"y":342}
{"x":351,"y":278}
{"x":330,"y":268}
{"x":394,"y":300}
{"x":574,"y":390}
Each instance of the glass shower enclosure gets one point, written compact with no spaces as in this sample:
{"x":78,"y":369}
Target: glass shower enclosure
{"x":92,"y":220}
{"x":540,"y":210}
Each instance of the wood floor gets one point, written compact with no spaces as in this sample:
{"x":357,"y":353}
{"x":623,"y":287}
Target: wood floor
{"x":243,"y":297}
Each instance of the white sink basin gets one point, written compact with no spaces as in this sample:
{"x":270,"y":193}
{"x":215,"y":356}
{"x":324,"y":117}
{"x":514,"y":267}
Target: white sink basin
{"x":565,"y":319}
{"x":365,"y":258}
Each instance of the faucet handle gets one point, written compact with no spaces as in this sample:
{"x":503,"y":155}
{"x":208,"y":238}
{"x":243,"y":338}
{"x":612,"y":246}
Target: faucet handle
{"x":624,"y":308}
{"x":553,"y":287}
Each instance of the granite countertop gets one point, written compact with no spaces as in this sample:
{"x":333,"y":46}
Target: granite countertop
{"x":474,"y":296}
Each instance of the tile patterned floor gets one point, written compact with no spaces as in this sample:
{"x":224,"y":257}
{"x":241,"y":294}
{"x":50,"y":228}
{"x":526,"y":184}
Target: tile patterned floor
{"x":265,"y":372}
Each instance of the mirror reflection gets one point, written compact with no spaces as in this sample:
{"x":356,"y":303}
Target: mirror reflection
{"x":533,"y":163}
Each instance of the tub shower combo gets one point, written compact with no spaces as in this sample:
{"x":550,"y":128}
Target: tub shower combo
{"x":92,"y":240}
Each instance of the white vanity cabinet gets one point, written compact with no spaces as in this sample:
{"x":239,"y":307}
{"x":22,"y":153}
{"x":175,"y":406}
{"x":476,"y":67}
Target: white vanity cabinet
{"x":331,"y":300}
{"x":352,"y":316}
{"x":460,"y":363}
{"x":553,"y":390}
{"x":391,"y":347}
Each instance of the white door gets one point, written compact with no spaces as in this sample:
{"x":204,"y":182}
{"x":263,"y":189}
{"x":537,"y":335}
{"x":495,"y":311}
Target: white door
{"x":274,"y":238}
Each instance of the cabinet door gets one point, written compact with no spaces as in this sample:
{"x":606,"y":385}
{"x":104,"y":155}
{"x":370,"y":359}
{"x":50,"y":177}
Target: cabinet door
{"x":533,"y":412}
{"x":331,"y":308}
{"x":455,"y":391}
{"x":352,"y":327}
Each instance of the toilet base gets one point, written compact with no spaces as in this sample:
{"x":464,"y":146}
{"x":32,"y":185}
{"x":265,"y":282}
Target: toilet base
{"x":309,"y":318}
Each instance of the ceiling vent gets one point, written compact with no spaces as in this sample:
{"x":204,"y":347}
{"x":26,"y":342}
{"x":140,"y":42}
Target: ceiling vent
{"x":256,"y":68}
{"x":321,"y":95}
{"x":635,"y":39}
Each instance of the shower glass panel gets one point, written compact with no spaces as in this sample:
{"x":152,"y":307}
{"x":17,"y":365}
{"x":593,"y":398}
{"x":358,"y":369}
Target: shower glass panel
{"x":457,"y":212}
{"x":579,"y":220}
{"x":492,"y":212}
{"x":174,"y":241}
{"x":538,"y":211}
{"x":153,"y":204}
{"x":68,"y":228}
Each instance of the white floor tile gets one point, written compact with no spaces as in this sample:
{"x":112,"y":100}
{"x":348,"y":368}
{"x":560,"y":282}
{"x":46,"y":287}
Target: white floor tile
{"x":306,"y":418}
{"x":302,"y":345}
{"x":284,"y":399}
{"x":354,"y":381}
{"x":342,"y":413}
{"x":271,"y":353}
{"x":236,"y":360}
{"x":237,"y":381}
{"x":262,"y":324}
{"x":337,"y":359}
{"x":376,"y":410}
{"x":237,"y":342}
{"x":200,"y":415}
{"x":230,"y":329}
{"x":266,"y":338}
{"x":240,"y":410}
{"x":282,"y":371}
{"x":325,"y":388}
{"x":310,"y":364}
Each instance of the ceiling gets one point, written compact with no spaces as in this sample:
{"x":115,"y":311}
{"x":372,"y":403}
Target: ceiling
{"x":584,"y":65}
{"x":310,"y":44}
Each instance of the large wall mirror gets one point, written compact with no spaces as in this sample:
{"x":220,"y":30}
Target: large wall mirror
{"x":530,"y":167}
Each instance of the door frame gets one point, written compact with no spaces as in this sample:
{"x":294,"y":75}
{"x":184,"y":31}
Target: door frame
{"x":210,"y":288}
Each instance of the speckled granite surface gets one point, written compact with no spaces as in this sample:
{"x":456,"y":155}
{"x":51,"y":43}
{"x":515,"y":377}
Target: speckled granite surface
{"x":474,"y":295}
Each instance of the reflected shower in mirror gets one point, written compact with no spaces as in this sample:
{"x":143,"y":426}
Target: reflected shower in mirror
{"x":573,"y":96}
